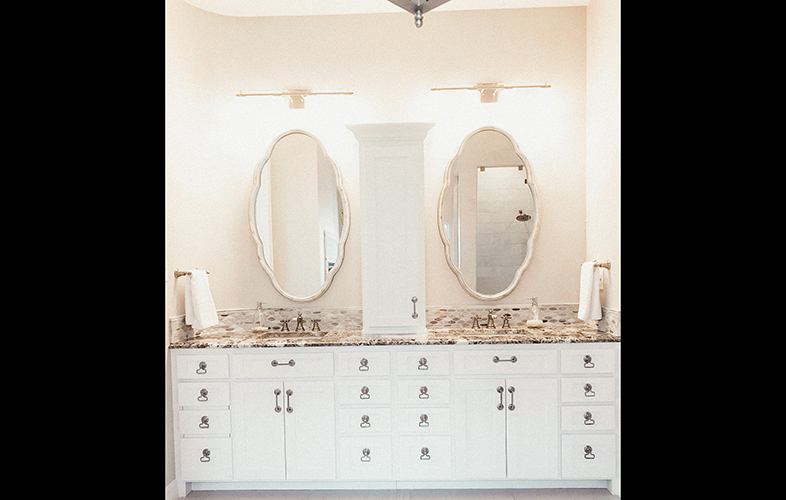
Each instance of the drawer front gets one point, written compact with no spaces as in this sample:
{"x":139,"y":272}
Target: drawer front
{"x":210,"y":366}
{"x":588,"y":390}
{"x":423,"y":392}
{"x":282,"y":365}
{"x":588,"y":418}
{"x":203,"y":394}
{"x":206,"y":459}
{"x":423,"y":363}
{"x":364,"y":420}
{"x":363,"y":392}
{"x":588,"y":361}
{"x":504,"y":362}
{"x":360,"y":364}
{"x":423,"y":420}
{"x":204,"y":422}
{"x":425,"y":458}
{"x":365,"y":458}
{"x":588,"y":456}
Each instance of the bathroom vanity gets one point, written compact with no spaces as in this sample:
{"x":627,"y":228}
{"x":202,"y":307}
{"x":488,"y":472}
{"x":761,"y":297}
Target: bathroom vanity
{"x":452,"y":409}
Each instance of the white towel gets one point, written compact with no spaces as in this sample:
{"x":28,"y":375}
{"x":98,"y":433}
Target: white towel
{"x":589,"y":292}
{"x":200,"y":309}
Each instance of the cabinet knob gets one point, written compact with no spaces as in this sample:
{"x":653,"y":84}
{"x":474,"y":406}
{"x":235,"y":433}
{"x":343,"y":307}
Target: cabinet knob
{"x":202,"y":395}
{"x":204,"y":422}
{"x":422,"y":364}
{"x":363,"y":365}
{"x":588,"y":419}
{"x":424,"y":454}
{"x":588,"y":392}
{"x":423,"y":392}
{"x":588,"y":455}
{"x":423,"y":421}
{"x":205,"y":455}
{"x":364,"y":422}
{"x":366,"y":455}
{"x":202,"y":368}
{"x":588,"y":361}
{"x":364,"y":393}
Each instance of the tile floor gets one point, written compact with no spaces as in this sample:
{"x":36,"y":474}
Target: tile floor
{"x":529,"y":494}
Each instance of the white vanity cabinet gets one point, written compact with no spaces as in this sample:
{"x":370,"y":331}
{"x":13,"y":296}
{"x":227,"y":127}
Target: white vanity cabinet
{"x":397,"y":416}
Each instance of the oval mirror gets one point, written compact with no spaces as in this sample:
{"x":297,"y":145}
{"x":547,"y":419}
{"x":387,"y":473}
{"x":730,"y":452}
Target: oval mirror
{"x":487,"y":214}
{"x":299,"y":216}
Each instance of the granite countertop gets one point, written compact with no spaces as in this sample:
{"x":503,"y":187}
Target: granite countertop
{"x":233,"y":336}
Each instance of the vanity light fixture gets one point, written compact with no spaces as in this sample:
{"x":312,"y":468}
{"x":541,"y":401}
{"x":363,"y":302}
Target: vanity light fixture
{"x":418,"y":7}
{"x":296,"y":96}
{"x":488,"y":91}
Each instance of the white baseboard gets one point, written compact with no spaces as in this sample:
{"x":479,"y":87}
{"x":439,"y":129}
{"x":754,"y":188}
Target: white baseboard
{"x":171,"y":491}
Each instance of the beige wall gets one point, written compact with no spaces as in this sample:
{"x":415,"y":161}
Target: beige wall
{"x":603,"y":140}
{"x":215,"y":139}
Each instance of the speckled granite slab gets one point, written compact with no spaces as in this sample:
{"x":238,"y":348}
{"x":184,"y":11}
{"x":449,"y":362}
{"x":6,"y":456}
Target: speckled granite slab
{"x":221,"y":337}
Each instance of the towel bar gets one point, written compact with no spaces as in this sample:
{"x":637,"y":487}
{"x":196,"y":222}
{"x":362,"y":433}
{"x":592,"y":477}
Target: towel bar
{"x":606,"y":264}
{"x":185,"y":273}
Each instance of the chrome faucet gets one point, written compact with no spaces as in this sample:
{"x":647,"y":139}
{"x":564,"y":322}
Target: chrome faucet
{"x":506,"y":320}
{"x":476,"y":321}
{"x":299,"y":325}
{"x":490,"y":319}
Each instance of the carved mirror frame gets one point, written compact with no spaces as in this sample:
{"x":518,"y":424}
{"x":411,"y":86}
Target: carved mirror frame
{"x":446,"y":243}
{"x":252,"y":219}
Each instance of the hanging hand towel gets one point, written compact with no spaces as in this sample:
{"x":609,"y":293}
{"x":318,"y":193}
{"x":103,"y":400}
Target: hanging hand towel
{"x":200,"y":309}
{"x":589,"y":292}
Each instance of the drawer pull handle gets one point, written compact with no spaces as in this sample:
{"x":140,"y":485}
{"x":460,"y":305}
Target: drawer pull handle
{"x":364,"y":393}
{"x":275,"y":362}
{"x":511,"y":390}
{"x":363,"y":365}
{"x":422,"y":364}
{"x":588,"y":455}
{"x":588,"y":392}
{"x":588,"y":419}
{"x":202,"y":395}
{"x":202,"y":368}
{"x":424,"y":454}
{"x":423,"y":392}
{"x":277,"y":408}
{"x":366,"y":455}
{"x":414,"y":308}
{"x":204,"y":422}
{"x":501,"y":391}
{"x":423,"y":421}
{"x":205,"y":456}
{"x":588,"y":361}
{"x":364,"y":422}
{"x":289,"y":405}
{"x":497,"y":359}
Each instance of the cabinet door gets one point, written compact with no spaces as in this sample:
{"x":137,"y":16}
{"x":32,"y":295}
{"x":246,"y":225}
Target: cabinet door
{"x":532,"y":428}
{"x":479,"y":429}
{"x":258,"y":431}
{"x":310,"y":430}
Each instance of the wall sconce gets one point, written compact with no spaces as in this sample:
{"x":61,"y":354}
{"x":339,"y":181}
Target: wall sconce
{"x":488,"y":91}
{"x":297,"y":97}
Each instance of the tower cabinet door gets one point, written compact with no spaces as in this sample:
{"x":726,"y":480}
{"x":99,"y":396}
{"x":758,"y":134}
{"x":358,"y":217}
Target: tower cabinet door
{"x":479,"y":432}
{"x":532,"y":428}
{"x":310,"y":430}
{"x":258,"y":431}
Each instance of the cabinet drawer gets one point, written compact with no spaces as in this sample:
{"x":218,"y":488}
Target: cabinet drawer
{"x":359,"y":364}
{"x":424,"y":457}
{"x":365,"y":458}
{"x":588,"y":418}
{"x":364,"y":420}
{"x":426,"y":392}
{"x":363,"y":392}
{"x":588,"y":456}
{"x":282,"y":365}
{"x":203,"y":394}
{"x":589,"y":389}
{"x":206,"y":459}
{"x":210,"y":366}
{"x":204,"y":422}
{"x":588,"y":361}
{"x":505,"y":361}
{"x":423,"y":420}
{"x":423,"y":363}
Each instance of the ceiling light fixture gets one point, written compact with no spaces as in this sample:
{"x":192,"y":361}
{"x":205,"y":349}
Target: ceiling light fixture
{"x":418,"y":7}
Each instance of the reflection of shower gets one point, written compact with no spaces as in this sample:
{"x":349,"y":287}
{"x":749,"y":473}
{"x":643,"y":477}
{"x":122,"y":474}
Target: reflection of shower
{"x":522,"y":217}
